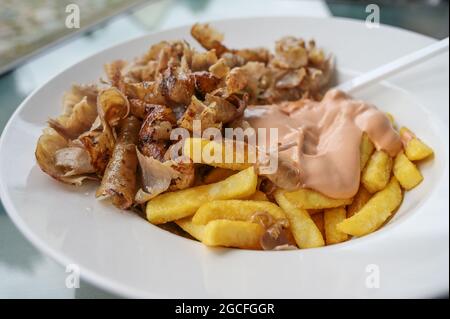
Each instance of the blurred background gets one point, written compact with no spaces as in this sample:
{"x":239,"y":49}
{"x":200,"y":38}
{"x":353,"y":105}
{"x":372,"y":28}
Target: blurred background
{"x":36,"y":43}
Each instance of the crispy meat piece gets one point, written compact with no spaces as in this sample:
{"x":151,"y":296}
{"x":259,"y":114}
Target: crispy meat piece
{"x":154,"y":134}
{"x":201,"y":61}
{"x":49,"y":144}
{"x":185,"y":178}
{"x":255,"y":55}
{"x":197,"y":110}
{"x":209,"y":38}
{"x":156,"y":177}
{"x":226,"y":109}
{"x":141,"y":109}
{"x":205,"y":82}
{"x":290,"y":53}
{"x":173,"y":49}
{"x":119,"y":180}
{"x":80,"y":112}
{"x":236,"y":80}
{"x":233,"y":60}
{"x":148,"y":92}
{"x":177,"y":85}
{"x":74,"y":160}
{"x":112,"y":106}
{"x":99,"y":145}
{"x":215,"y":111}
{"x":113,"y":71}
{"x":220,"y":69}
{"x":291,"y":79}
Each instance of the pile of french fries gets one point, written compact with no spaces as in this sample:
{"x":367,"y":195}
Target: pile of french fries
{"x":220,"y":211}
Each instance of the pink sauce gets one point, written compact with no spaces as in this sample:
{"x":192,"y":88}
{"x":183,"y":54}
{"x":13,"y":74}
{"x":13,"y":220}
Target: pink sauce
{"x":328,"y":134}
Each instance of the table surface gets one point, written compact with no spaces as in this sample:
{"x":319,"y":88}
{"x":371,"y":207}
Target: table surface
{"x":24,"y":271}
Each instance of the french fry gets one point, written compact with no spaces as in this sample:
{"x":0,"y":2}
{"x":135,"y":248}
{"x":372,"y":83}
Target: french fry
{"x":210,"y":147}
{"x":415,"y":149}
{"x":258,"y":196}
{"x":232,"y":233}
{"x":318,"y":220}
{"x":331,"y":218}
{"x":176,"y":205}
{"x":304,"y":230}
{"x":366,"y":149}
{"x":242,"y":210}
{"x":406,"y":172}
{"x":377,"y":172}
{"x":376,"y":211}
{"x":217,"y":174}
{"x":192,"y":229}
{"x":360,"y":199}
{"x":309,"y":199}
{"x":314,"y":211}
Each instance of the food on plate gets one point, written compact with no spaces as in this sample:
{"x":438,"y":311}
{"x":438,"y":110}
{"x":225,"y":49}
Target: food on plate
{"x":319,"y":221}
{"x":377,"y":172}
{"x":233,"y":233}
{"x":217,"y":174}
{"x":304,"y":230}
{"x":309,"y":199}
{"x":376,"y":211}
{"x":406,"y":172}
{"x":217,"y":153}
{"x":119,"y":179}
{"x":192,"y":229}
{"x":235,"y":147}
{"x":235,"y":210}
{"x":360,"y":199}
{"x":171,"y":206}
{"x":331,"y":218}
{"x":415,"y":149}
{"x":366,"y":149}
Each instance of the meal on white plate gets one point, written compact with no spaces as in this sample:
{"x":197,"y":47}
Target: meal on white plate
{"x":244,"y":148}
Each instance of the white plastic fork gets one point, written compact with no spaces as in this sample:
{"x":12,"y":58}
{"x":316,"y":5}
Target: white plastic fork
{"x":394,"y":67}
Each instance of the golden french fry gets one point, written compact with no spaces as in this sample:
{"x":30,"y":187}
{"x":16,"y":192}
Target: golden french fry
{"x":377,"y":172}
{"x":258,"y":196}
{"x":234,"y":209}
{"x":376,"y":211}
{"x":415,"y":149}
{"x":218,"y":174}
{"x":304,"y":230}
{"x":360,"y":199}
{"x":192,"y":229}
{"x":197,"y":148}
{"x":233,"y":233}
{"x":406,"y":172}
{"x":183,"y":203}
{"x":331,"y":218}
{"x":309,"y":199}
{"x":366,"y":149}
{"x":318,"y":220}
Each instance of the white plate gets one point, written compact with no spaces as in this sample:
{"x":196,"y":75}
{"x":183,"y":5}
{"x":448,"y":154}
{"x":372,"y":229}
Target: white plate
{"x":126,"y":255}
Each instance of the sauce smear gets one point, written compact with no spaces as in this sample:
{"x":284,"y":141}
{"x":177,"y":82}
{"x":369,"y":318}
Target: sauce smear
{"x":327,"y":136}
